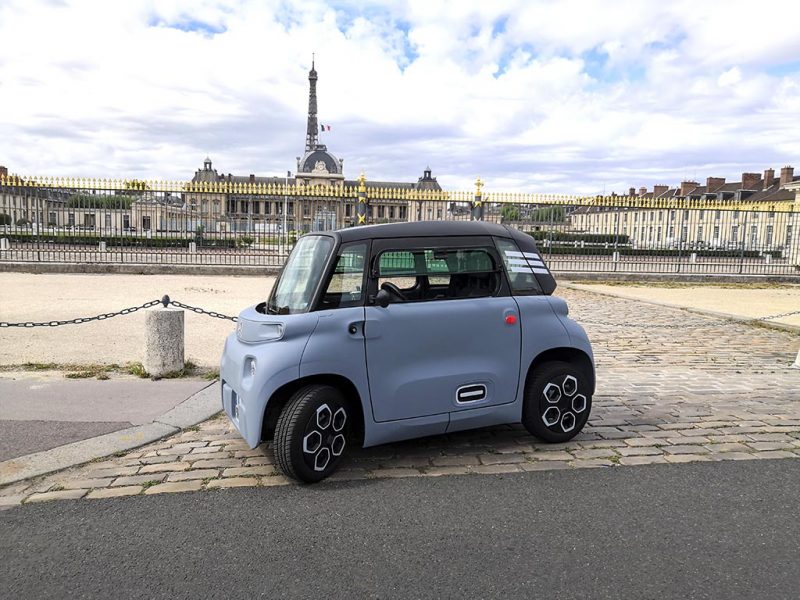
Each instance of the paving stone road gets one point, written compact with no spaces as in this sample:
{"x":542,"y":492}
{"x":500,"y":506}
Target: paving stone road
{"x":672,"y":387}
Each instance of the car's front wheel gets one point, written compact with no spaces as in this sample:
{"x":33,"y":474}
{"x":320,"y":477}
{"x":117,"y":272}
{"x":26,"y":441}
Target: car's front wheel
{"x":557,"y":402}
{"x":312,"y":433}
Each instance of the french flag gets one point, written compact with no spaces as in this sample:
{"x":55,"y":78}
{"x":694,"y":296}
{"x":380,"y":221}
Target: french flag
{"x":324,"y":128}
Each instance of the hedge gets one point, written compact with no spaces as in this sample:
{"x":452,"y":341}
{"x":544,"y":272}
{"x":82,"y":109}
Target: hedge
{"x":589,"y":238}
{"x":122,"y":241}
{"x":628,"y":251}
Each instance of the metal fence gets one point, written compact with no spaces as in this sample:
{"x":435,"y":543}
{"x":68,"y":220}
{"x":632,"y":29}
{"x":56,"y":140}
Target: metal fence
{"x":196,"y":223}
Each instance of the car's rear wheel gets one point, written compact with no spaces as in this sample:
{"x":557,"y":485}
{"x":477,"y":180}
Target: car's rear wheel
{"x":557,"y":402}
{"x":312,"y":433}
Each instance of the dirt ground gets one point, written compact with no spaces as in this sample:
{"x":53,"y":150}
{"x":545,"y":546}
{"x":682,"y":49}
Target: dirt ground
{"x":29,"y":297}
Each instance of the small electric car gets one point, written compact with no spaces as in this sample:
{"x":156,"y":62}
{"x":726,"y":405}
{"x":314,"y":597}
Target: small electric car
{"x":389,"y":332}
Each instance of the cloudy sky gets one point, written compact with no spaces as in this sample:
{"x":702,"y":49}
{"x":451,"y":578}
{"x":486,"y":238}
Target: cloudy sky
{"x":569,"y":96}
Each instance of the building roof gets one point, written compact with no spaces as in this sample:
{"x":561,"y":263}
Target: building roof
{"x":320,"y":160}
{"x":773,"y":193}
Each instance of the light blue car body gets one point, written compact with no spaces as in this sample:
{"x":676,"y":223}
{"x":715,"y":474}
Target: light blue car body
{"x":405,"y":362}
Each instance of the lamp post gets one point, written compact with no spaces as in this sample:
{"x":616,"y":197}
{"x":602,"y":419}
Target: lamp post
{"x":285,"y":209}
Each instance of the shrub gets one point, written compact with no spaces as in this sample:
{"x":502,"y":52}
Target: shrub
{"x":588,"y":238}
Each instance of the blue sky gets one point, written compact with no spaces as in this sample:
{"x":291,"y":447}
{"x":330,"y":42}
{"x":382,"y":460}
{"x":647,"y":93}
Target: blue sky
{"x":570,"y":96}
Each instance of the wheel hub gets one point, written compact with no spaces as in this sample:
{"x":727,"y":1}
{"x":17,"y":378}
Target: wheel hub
{"x":561,"y":404}
{"x":324,"y":440}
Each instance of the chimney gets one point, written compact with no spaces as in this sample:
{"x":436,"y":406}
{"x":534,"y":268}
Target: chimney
{"x":769,"y":178}
{"x":252,"y":178}
{"x":750,"y":181}
{"x":787,"y":175}
{"x":3,"y":172}
{"x":642,"y":191}
{"x":714,"y":183}
{"x":687,"y":186}
{"x":631,"y":191}
{"x":659,"y":190}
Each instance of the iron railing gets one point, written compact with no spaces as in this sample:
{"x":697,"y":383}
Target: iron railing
{"x":195,"y":223}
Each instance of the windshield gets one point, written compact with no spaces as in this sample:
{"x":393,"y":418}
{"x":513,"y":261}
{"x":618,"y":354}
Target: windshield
{"x":295,"y":286}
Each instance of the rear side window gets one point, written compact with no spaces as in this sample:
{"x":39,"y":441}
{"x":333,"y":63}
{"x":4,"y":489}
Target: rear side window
{"x":440,"y":273}
{"x":519,"y":269}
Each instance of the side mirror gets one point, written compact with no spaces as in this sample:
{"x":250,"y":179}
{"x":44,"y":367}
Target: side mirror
{"x":383,"y":298}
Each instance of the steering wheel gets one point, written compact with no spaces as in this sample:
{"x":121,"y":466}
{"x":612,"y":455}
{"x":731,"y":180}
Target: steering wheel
{"x":394,"y":291}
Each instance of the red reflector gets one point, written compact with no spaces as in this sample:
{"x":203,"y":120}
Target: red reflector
{"x":511,"y":319}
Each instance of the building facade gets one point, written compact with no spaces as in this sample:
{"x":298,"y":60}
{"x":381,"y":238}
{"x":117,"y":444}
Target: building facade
{"x":330,"y":202}
{"x":731,"y":216}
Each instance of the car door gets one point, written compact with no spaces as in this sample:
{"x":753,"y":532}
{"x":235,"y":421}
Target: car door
{"x":451,"y":340}
{"x":337,"y":343}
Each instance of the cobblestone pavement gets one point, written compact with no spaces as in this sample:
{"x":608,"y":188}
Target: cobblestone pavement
{"x":672,"y":387}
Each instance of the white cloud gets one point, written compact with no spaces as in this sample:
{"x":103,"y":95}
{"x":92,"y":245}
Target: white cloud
{"x":574,"y":95}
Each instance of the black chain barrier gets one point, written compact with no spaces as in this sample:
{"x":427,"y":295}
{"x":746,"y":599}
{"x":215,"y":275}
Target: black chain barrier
{"x":79,"y":320}
{"x":165,"y":301}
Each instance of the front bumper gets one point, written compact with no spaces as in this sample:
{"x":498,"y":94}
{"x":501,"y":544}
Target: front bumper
{"x":238,"y":387}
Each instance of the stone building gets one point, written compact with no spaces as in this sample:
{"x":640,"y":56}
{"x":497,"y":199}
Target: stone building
{"x":721,"y":215}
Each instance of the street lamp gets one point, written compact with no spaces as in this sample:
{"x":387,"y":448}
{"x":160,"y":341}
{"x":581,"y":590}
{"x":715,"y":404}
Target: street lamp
{"x":285,"y":209}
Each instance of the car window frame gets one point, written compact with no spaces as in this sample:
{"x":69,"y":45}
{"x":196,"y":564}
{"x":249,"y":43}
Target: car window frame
{"x":326,"y":269}
{"x":383,"y":245}
{"x":537,"y":291}
{"x":330,"y":272}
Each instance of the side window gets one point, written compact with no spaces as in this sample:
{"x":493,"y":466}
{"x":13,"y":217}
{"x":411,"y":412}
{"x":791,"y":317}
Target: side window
{"x":439,"y":273}
{"x":345,"y":287}
{"x":520,"y":274}
{"x":398,"y":268}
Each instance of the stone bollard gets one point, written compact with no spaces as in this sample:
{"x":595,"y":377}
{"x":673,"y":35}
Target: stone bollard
{"x":768,"y":258}
{"x":102,"y":246}
{"x":4,"y":245}
{"x":192,"y":247}
{"x":693,"y":258}
{"x":615,"y":257}
{"x":163,"y":341}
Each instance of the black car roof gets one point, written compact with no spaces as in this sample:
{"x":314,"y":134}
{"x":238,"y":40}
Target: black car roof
{"x":422,"y":229}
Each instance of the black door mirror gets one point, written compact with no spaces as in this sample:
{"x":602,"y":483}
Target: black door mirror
{"x":383,"y":298}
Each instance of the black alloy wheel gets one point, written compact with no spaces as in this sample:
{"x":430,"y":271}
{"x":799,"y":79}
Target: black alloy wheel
{"x":312,"y":433}
{"x":558,"y":401}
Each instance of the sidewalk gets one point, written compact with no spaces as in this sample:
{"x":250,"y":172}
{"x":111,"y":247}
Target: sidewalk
{"x":48,"y":423}
{"x":40,"y":411}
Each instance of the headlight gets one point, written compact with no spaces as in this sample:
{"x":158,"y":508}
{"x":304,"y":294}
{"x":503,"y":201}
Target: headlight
{"x":253,"y":332}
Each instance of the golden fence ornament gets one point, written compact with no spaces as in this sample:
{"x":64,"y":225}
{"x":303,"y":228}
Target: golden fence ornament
{"x":81,"y":184}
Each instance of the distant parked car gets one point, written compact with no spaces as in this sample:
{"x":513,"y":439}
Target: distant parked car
{"x":389,"y":332}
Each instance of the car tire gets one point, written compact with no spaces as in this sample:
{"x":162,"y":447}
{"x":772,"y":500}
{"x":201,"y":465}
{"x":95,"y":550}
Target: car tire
{"x":312,"y":433}
{"x":557,"y":402}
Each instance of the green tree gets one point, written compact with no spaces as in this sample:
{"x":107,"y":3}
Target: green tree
{"x":549,"y":214}
{"x":100,"y":201}
{"x":509,"y":213}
